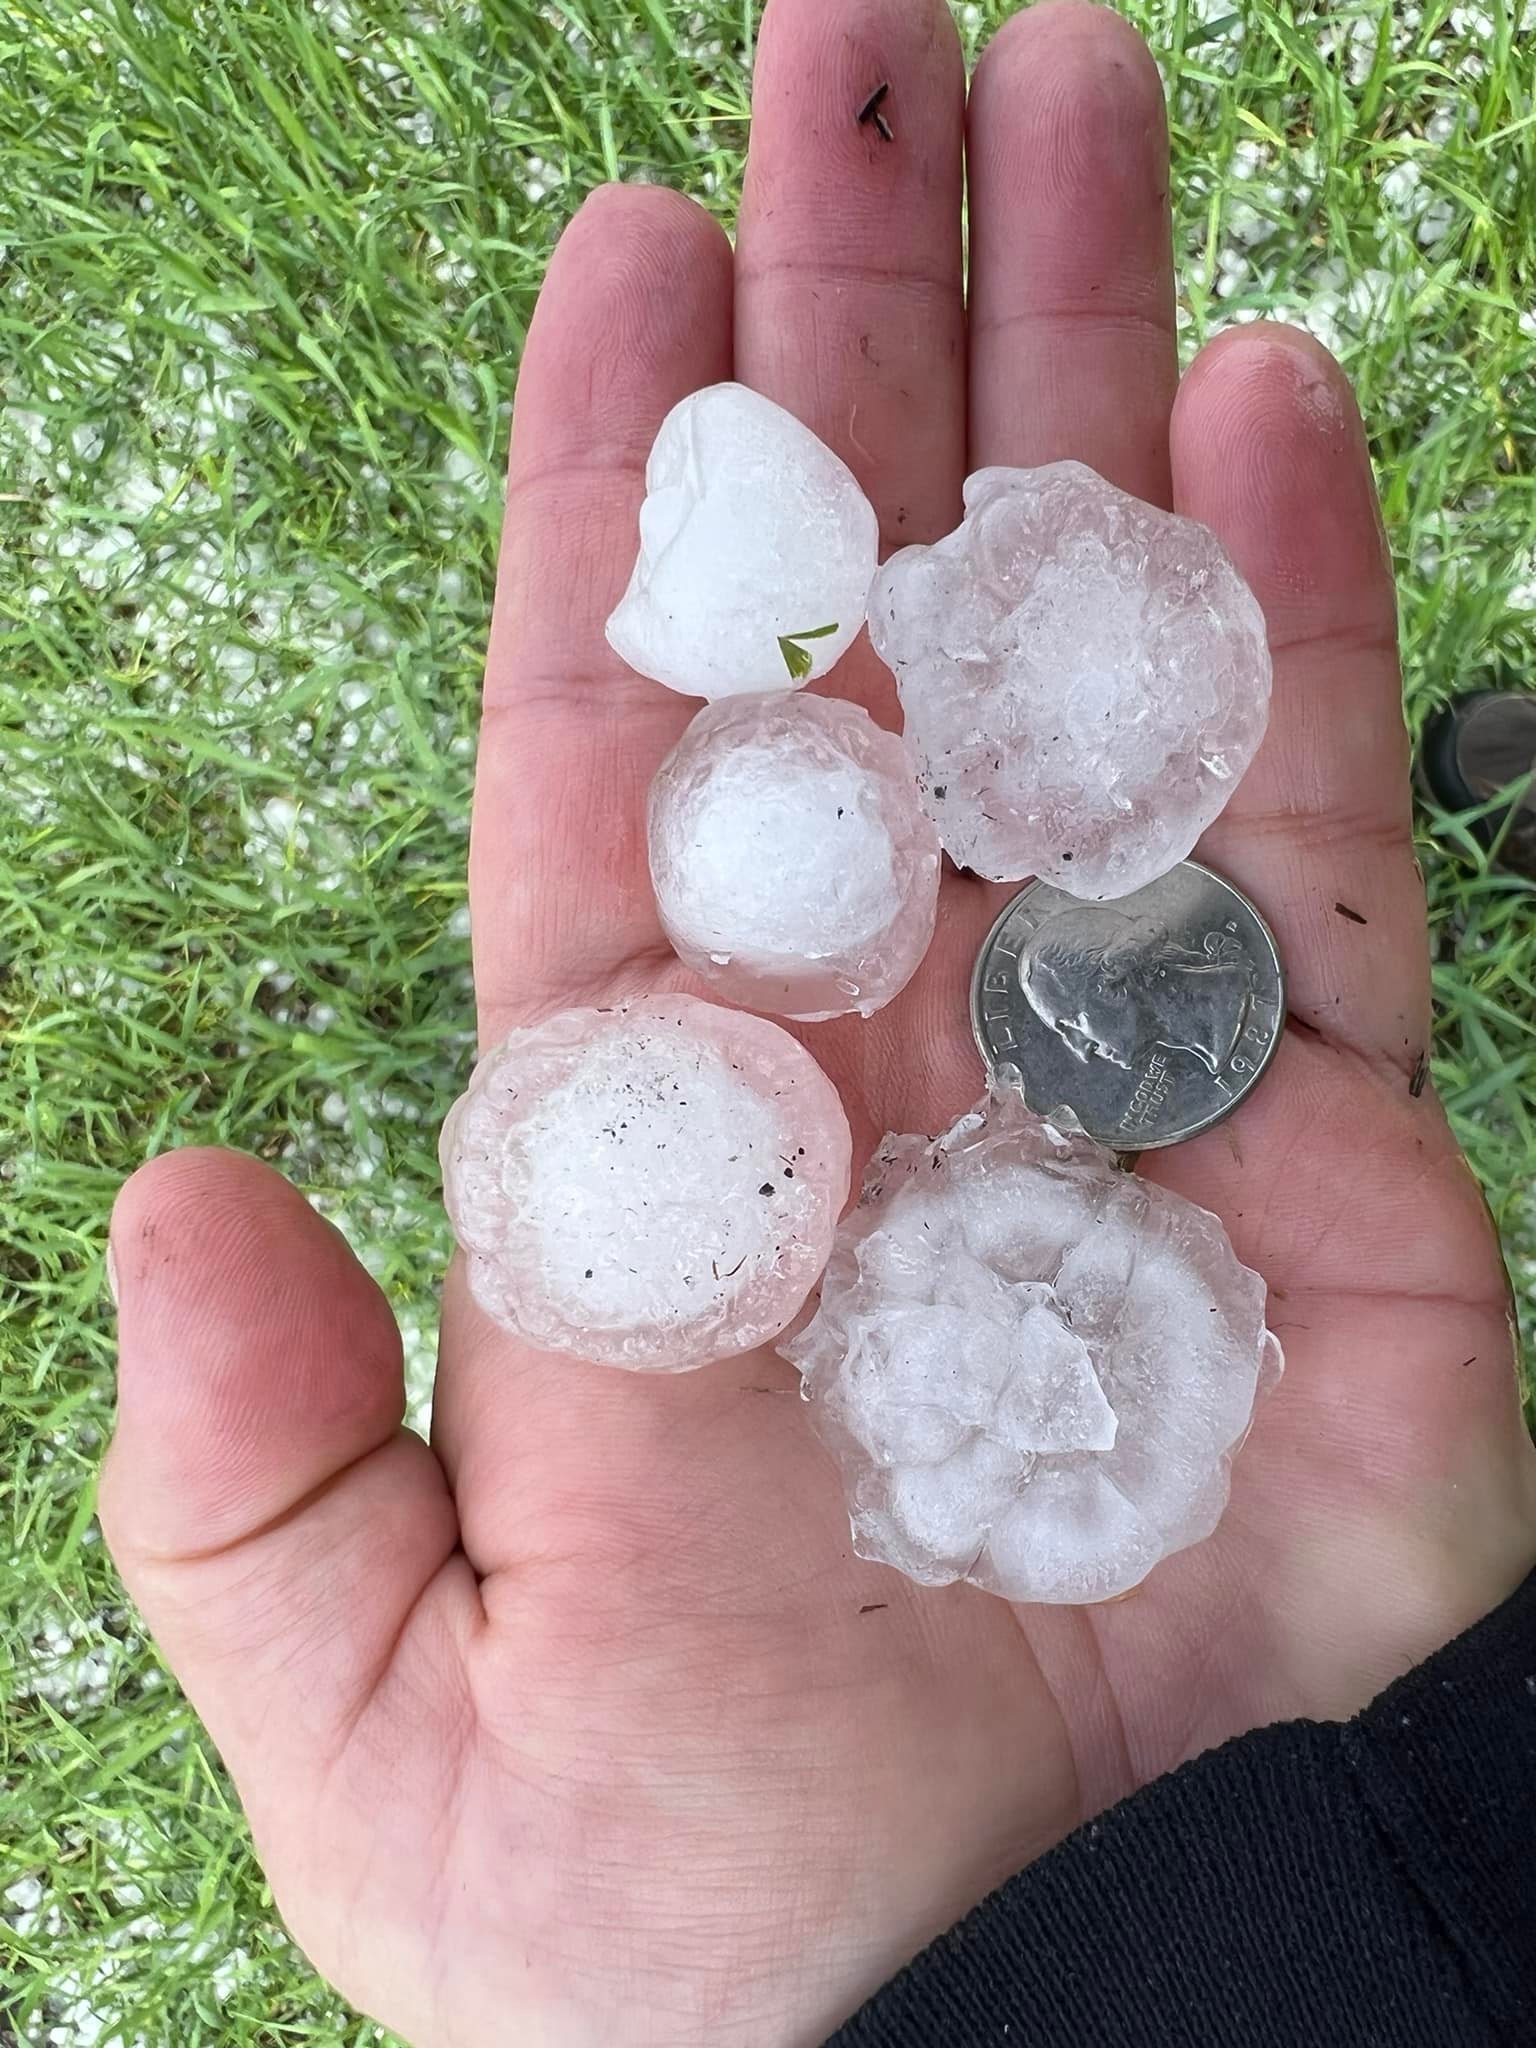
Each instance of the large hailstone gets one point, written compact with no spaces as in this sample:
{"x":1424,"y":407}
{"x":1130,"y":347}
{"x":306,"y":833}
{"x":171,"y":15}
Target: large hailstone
{"x":794,"y":868}
{"x":651,"y":1186}
{"x":756,"y":551}
{"x":1032,"y":1368}
{"x":1084,"y":677}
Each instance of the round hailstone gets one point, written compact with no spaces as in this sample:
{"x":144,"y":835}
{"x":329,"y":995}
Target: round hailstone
{"x":1085,"y":679}
{"x":1032,"y":1368}
{"x":794,"y":868}
{"x":756,"y":551}
{"x":651,"y":1186}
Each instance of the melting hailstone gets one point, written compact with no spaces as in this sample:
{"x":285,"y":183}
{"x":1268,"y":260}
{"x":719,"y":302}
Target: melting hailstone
{"x":795,"y":869}
{"x":652,"y":1186}
{"x":756,"y":551}
{"x":1084,"y":678}
{"x":1032,"y":1368}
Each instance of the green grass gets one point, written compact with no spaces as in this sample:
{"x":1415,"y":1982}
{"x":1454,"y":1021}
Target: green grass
{"x":266,"y":272}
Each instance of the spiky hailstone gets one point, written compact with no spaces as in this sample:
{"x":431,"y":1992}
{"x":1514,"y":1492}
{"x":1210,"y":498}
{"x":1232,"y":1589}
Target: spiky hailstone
{"x":651,"y":1186}
{"x":1032,"y":1368}
{"x":1084,"y":679}
{"x":794,"y":868}
{"x":756,"y":551}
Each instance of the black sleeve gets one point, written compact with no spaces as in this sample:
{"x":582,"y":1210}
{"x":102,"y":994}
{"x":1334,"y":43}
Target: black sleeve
{"x":1315,"y":1884}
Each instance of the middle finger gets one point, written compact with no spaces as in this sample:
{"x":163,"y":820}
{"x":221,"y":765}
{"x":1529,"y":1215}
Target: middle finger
{"x":848,"y":263}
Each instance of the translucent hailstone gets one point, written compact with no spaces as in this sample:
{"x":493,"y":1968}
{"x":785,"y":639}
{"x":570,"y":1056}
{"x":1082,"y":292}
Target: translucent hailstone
{"x":1084,"y":679}
{"x":652,"y":1186}
{"x":1032,"y":1368}
{"x":794,"y":867}
{"x":756,"y":551}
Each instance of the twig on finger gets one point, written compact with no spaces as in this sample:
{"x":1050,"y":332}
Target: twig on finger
{"x":870,"y":111}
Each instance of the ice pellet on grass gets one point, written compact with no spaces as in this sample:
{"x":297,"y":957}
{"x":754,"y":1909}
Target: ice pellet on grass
{"x":1032,"y":1368}
{"x":795,"y":869}
{"x":651,"y":1186}
{"x":757,"y":547}
{"x":1084,"y":678}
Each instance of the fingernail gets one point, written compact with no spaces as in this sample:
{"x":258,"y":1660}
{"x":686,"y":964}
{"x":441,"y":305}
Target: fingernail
{"x":112,"y":1275}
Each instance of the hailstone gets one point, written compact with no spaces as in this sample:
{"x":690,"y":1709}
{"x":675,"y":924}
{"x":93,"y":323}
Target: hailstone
{"x":1084,"y":678}
{"x":757,"y":547}
{"x":1032,"y":1368}
{"x":795,"y":869}
{"x":651,"y":1186}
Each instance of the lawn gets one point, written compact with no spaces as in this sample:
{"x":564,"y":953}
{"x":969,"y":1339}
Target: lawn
{"x":264,"y":273}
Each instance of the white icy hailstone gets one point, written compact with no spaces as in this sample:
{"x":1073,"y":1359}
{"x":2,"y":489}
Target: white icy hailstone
{"x":756,"y":551}
{"x":1033,"y":1368}
{"x":795,"y":869}
{"x":651,"y":1186}
{"x":1084,"y":679}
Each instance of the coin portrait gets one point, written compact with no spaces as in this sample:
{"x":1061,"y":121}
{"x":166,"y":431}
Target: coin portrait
{"x":1115,"y":987}
{"x":1149,"y":1018}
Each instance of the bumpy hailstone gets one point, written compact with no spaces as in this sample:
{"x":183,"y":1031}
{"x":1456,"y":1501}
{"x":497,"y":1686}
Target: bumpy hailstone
{"x":1085,"y":679}
{"x":1032,"y":1368}
{"x":794,"y":867}
{"x":652,"y":1186}
{"x":756,"y":551}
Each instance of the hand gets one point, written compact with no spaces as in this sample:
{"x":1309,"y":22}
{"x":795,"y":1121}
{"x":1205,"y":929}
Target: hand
{"x":584,"y":1726}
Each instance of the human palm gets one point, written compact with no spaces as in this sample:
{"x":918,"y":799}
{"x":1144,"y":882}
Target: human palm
{"x":585,"y":1725}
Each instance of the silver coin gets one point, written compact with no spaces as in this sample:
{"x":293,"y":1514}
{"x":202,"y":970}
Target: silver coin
{"x":1150,"y":1017}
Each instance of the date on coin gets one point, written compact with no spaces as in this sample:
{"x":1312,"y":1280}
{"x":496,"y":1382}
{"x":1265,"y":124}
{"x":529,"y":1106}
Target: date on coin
{"x":1150,"y":1017}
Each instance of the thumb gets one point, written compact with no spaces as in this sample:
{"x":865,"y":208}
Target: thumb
{"x":288,"y":1542}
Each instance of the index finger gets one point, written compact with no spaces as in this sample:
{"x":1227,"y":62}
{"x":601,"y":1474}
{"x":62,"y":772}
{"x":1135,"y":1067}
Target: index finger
{"x":635,"y":313}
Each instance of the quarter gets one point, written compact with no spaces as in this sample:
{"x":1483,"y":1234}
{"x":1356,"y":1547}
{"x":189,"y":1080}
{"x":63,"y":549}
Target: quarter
{"x":1150,"y":1017}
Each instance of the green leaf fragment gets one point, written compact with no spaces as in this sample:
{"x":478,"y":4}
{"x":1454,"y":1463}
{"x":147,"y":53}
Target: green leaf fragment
{"x":796,"y":660}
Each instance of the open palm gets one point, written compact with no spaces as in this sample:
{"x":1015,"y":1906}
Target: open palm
{"x":585,"y":1725}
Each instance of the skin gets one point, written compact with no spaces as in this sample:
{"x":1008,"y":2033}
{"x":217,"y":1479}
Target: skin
{"x":573,"y":1728}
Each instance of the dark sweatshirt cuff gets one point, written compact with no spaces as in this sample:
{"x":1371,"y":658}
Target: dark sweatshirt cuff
{"x":1311,"y":1883}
